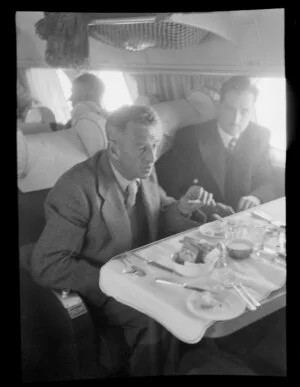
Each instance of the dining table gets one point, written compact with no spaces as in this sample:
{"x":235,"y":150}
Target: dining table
{"x":171,"y":305}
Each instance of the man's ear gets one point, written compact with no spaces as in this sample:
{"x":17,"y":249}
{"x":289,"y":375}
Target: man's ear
{"x":113,"y":149}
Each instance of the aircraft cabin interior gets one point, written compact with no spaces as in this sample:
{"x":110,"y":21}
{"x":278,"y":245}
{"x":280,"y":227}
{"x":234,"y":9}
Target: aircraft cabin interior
{"x":174,"y":64}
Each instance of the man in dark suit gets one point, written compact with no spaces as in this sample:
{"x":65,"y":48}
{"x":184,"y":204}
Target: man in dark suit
{"x":227,"y":156}
{"x":102,"y":207}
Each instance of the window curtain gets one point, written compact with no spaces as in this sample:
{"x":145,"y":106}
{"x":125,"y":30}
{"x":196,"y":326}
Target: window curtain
{"x":46,"y":88}
{"x":168,"y":87}
{"x":24,"y":97}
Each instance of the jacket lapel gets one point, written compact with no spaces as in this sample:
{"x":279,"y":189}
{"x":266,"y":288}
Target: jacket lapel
{"x":214,"y":156}
{"x":113,"y":210}
{"x":151,"y":202}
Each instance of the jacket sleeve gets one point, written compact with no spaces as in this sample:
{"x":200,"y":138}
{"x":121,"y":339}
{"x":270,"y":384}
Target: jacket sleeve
{"x":263,"y":185}
{"x":56,"y":261}
{"x":173,"y":166}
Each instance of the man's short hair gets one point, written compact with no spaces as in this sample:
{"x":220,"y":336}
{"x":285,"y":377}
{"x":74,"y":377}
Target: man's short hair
{"x":143,"y":115}
{"x":239,"y":84}
{"x":91,"y":81}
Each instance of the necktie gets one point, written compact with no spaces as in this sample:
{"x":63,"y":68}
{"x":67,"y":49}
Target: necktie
{"x":131,"y":192}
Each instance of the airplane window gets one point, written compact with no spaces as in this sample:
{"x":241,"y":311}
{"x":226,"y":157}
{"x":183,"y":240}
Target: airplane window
{"x":116,"y":94}
{"x":271,"y":109}
{"x":66,"y":86}
{"x":116,"y":91}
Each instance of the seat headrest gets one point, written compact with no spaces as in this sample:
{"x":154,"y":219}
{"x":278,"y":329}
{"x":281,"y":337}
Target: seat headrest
{"x":92,"y":132}
{"x":177,"y":114}
{"x":44,"y":157}
{"x":34,"y":127}
{"x":40,"y":114}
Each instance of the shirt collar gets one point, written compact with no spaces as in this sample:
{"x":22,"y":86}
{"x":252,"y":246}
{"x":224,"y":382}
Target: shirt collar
{"x":122,"y":181}
{"x":226,"y":138}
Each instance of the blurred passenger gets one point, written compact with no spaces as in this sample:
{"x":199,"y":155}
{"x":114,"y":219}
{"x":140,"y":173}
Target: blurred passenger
{"x":86,"y":97}
{"x":227,"y":156}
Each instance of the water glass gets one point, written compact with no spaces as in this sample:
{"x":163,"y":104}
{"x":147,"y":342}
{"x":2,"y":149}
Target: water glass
{"x":260,"y":235}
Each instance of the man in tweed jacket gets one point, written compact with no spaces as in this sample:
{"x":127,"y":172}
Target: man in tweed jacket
{"x":88,"y":222}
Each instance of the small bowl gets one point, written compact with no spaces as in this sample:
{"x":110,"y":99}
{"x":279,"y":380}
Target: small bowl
{"x":190,"y":269}
{"x":239,"y":248}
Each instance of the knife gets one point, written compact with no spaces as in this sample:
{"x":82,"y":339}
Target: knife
{"x":267,"y":218}
{"x":158,"y":265}
{"x":271,"y":251}
{"x":167,"y":282}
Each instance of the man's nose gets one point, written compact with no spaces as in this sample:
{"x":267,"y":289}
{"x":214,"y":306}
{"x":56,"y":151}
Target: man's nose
{"x":151,"y":155}
{"x":237,"y":117}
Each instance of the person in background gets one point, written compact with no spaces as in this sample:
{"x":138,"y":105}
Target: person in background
{"x":105,"y":206}
{"x":86,"y":96}
{"x":227,"y":156}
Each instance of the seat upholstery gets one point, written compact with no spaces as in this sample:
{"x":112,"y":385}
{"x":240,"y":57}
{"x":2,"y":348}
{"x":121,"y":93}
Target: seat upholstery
{"x":54,"y":346}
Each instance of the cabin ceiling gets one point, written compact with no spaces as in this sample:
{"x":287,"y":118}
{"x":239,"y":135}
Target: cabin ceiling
{"x":240,"y":41}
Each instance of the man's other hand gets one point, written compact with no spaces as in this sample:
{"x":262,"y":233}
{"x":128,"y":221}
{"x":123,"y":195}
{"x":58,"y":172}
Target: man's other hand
{"x":247,"y":202}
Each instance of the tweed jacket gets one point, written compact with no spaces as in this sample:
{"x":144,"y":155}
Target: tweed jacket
{"x":87,"y":224}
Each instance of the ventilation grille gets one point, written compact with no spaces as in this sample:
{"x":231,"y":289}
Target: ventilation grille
{"x":139,"y":36}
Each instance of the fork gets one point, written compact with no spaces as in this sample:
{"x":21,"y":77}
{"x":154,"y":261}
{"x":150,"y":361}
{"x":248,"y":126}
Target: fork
{"x":249,"y":295}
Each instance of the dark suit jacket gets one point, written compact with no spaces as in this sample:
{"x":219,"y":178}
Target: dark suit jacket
{"x":198,"y":153}
{"x":87,"y":224}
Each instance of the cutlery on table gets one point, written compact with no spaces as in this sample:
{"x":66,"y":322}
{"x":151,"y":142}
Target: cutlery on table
{"x":229,"y":281}
{"x":158,"y":265}
{"x":249,"y":295}
{"x":229,"y":284}
{"x":131,"y":269}
{"x":271,"y":251}
{"x":267,"y":218}
{"x":185,"y":286}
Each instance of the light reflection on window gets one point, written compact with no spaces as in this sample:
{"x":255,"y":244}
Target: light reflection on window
{"x":116,"y":93}
{"x":271,"y":109}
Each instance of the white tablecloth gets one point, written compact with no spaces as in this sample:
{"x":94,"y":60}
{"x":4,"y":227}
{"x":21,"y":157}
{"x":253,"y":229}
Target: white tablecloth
{"x":167,"y":304}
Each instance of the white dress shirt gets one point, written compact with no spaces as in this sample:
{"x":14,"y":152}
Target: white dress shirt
{"x":122,"y":181}
{"x":226,"y":138}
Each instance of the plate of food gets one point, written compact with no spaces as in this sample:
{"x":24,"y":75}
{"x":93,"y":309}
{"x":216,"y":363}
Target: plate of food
{"x":220,"y":304}
{"x":195,"y":258}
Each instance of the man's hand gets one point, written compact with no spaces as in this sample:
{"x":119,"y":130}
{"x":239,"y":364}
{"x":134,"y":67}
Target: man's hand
{"x":247,"y":202}
{"x":196,"y":193}
{"x":195,"y":198}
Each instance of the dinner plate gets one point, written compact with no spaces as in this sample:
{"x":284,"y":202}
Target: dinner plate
{"x":230,"y":305}
{"x":209,"y":230}
{"x":190,"y":269}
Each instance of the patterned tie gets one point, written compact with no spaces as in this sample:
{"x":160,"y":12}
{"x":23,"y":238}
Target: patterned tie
{"x":131,"y":192}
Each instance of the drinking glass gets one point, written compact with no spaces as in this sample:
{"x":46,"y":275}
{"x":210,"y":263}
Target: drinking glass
{"x":260,"y":235}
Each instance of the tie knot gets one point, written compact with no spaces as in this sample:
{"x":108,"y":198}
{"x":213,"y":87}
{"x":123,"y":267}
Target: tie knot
{"x":131,"y":192}
{"x":232,"y":144}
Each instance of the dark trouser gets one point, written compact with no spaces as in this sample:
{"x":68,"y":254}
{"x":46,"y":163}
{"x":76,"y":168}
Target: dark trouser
{"x":148,"y":348}
{"x":262,"y":344}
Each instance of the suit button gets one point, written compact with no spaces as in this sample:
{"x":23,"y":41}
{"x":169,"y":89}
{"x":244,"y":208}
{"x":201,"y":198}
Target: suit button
{"x":195,"y":181}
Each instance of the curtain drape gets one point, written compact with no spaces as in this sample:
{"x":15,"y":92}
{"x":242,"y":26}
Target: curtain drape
{"x":46,"y":89}
{"x":168,"y":87}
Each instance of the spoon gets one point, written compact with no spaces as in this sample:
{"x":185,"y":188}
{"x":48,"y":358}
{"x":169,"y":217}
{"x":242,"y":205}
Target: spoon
{"x":228,"y":282}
